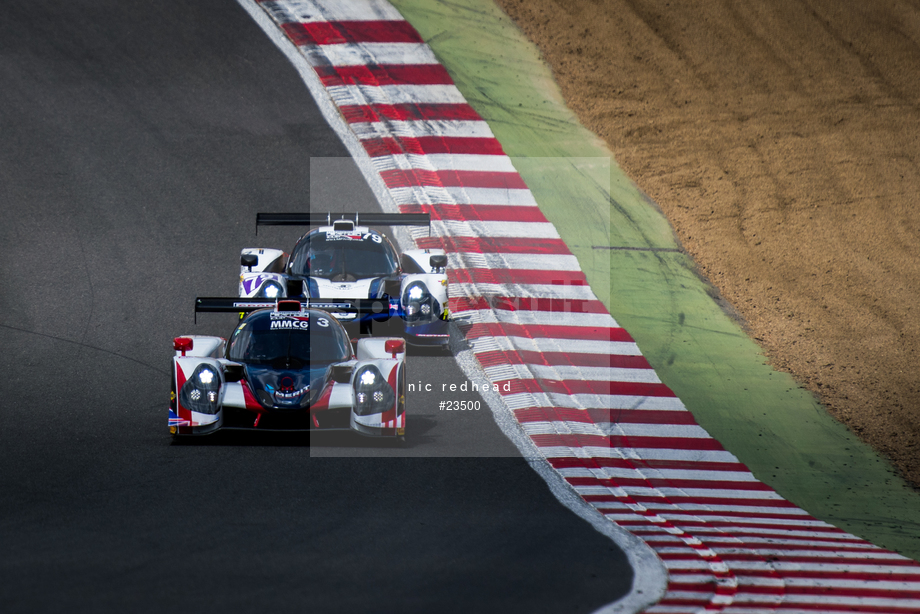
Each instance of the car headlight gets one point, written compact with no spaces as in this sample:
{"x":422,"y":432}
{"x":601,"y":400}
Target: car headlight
{"x":271,"y":289}
{"x":201,"y":392}
{"x":373,"y":394}
{"x":418,"y":304}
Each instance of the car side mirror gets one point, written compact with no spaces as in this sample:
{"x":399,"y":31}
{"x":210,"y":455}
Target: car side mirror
{"x":394,"y":346}
{"x":438,"y":261}
{"x":249,"y":260}
{"x":183,"y":344}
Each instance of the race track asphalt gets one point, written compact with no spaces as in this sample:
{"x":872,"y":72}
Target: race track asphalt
{"x":137,"y":143}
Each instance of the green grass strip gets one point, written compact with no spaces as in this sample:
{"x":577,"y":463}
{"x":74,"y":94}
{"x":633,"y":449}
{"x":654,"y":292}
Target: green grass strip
{"x":762,"y":416}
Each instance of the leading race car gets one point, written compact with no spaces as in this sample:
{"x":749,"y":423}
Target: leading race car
{"x":343,"y":259}
{"x":288,"y":365}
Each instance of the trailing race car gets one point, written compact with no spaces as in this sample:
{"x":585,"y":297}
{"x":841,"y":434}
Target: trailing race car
{"x":342,"y":259}
{"x":288,"y":365}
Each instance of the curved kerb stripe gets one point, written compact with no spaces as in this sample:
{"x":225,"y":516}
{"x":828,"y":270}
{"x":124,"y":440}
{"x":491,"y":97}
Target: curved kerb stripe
{"x":578,"y":386}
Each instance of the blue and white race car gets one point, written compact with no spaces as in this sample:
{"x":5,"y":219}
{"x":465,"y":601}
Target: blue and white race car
{"x":345,"y":259}
{"x":287,"y":366}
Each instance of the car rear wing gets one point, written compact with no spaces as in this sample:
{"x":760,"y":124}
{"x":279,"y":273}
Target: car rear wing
{"x":374,"y":307}
{"x":329,"y":219}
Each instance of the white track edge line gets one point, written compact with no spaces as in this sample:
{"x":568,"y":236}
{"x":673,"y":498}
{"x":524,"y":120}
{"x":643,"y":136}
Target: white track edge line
{"x":650,"y":576}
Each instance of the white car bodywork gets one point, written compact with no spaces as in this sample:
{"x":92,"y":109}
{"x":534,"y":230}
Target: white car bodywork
{"x":273,"y":274}
{"x":197,"y":355}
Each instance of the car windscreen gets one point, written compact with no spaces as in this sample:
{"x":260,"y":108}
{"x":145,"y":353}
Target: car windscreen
{"x":344,"y":258}
{"x":309,"y":347}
